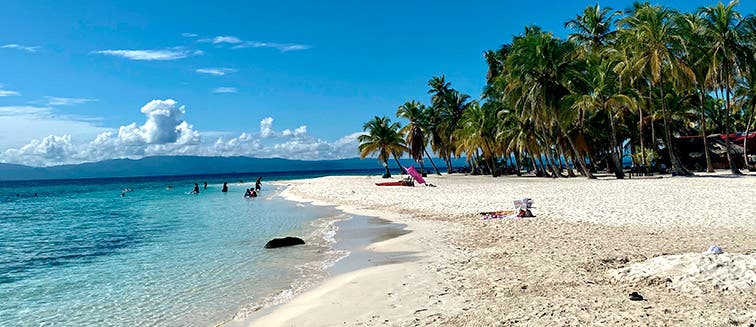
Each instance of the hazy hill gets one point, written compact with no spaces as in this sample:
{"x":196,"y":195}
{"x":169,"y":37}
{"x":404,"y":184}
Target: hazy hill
{"x":181,"y":165}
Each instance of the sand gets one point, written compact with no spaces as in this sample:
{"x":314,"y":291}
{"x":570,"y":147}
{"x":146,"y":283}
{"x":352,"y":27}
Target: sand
{"x":591,"y":244}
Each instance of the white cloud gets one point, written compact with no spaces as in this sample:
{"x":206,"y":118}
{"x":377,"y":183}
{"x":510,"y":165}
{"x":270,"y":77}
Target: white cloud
{"x":189,"y":35}
{"x":163,"y":132}
{"x":163,"y":125}
{"x":241,"y":44}
{"x":266,"y":127}
{"x":149,"y":55}
{"x":216,"y":71}
{"x":23,"y":123}
{"x":59,"y":101}
{"x":224,"y":90}
{"x":5,"y":93}
{"x":226,"y":39}
{"x":20,"y":47}
{"x":283,"y":47}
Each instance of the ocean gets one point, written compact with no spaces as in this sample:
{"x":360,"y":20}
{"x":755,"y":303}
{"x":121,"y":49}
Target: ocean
{"x":77,"y":253}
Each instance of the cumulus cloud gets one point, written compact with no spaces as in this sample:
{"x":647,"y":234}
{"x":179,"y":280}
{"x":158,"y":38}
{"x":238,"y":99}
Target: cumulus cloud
{"x":20,"y":47}
{"x":224,"y":90}
{"x":5,"y":93}
{"x":150,"y":55}
{"x":165,"y":132}
{"x":163,"y":125}
{"x":216,"y":71}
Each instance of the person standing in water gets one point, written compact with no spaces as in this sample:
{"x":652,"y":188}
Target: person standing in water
{"x":258,"y":184}
{"x":196,"y":189}
{"x":225,"y":187}
{"x":206,"y":185}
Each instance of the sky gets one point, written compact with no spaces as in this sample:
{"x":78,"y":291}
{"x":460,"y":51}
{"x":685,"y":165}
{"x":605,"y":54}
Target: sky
{"x":92,"y":80}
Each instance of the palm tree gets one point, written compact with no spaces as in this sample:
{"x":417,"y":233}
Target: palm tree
{"x":604,"y":94}
{"x":382,"y":137}
{"x":697,"y":57}
{"x":593,"y":29}
{"x":745,"y":93}
{"x":722,"y":29}
{"x":477,"y":131}
{"x":415,"y":131}
{"x":655,"y":44}
{"x":540,"y":69}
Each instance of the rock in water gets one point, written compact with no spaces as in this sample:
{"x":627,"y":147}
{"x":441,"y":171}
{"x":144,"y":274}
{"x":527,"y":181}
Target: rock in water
{"x":281,"y":242}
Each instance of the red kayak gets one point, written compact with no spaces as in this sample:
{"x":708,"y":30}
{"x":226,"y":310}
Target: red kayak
{"x":390,"y":184}
{"x":399,"y":183}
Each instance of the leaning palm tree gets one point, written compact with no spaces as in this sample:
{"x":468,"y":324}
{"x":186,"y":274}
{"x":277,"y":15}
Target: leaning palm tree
{"x":651,"y":31}
{"x":604,"y":95}
{"x":382,"y":137}
{"x":540,"y":69}
{"x":414,"y":131}
{"x":722,"y":29}
{"x":477,"y":131}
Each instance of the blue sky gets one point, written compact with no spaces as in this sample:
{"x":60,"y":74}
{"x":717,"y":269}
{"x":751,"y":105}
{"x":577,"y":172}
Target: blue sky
{"x":270,"y":78}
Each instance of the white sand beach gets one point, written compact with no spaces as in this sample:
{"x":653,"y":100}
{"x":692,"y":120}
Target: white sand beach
{"x":592,"y":243}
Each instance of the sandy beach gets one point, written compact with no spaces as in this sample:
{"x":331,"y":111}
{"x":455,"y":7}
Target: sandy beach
{"x":592,"y":243}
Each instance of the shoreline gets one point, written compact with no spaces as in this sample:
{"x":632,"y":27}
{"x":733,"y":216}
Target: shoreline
{"x":552,"y":269}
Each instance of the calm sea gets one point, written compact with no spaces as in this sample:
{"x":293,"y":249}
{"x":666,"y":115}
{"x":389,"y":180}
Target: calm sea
{"x":80,"y":254}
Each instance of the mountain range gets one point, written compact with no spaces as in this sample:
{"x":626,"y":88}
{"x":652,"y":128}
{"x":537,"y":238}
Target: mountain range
{"x":182,"y":165}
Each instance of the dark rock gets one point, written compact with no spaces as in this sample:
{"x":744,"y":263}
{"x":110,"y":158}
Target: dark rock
{"x":282,"y":242}
{"x":634,"y":296}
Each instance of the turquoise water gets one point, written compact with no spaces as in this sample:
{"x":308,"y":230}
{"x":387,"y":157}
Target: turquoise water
{"x":79,"y":254}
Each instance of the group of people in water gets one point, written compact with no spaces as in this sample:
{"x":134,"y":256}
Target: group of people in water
{"x":249,"y":193}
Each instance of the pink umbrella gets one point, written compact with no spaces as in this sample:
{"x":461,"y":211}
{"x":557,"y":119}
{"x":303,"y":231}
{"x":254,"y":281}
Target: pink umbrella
{"x":419,"y":178}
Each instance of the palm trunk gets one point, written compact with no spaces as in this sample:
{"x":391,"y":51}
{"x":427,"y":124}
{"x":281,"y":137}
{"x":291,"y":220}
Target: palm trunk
{"x":640,"y":134}
{"x":745,"y":140}
{"x":399,"y":164}
{"x":654,"y":146}
{"x":679,"y":170}
{"x":517,"y":163}
{"x":432,"y":163}
{"x":544,"y":171}
{"x":570,"y":172}
{"x":492,"y":161}
{"x":733,"y":167}
{"x":574,"y":149}
{"x":709,"y":166}
{"x":618,"y":172}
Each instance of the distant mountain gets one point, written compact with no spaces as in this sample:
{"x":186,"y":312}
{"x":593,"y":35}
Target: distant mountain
{"x":180,"y":165}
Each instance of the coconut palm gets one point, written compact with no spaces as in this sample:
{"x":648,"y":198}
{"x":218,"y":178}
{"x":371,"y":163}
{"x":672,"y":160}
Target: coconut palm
{"x":604,"y":94}
{"x":723,"y":30}
{"x":697,"y":57}
{"x":656,"y":46}
{"x":477,"y":131}
{"x":382,"y":137}
{"x":540,"y":69}
{"x":415,"y":132}
{"x":593,"y":29}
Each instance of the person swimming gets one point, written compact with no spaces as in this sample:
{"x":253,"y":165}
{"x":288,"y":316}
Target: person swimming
{"x":196,"y":189}
{"x":225,"y":187}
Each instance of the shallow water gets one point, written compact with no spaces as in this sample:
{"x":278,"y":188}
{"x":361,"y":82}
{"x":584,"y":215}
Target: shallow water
{"x":79,"y":254}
